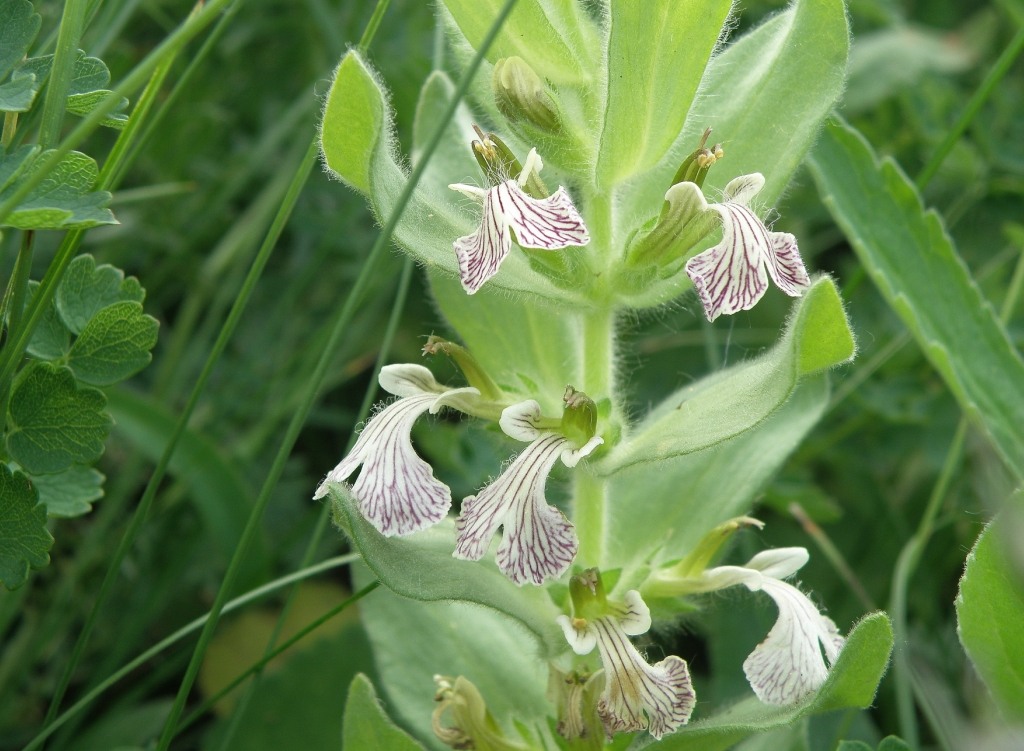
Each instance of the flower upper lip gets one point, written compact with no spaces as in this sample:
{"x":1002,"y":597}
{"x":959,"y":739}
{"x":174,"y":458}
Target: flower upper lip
{"x":548,"y":223}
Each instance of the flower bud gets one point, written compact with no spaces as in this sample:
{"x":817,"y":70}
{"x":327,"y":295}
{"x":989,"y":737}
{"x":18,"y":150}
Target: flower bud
{"x":475,"y":375}
{"x":519,"y":94}
{"x":472,"y":726}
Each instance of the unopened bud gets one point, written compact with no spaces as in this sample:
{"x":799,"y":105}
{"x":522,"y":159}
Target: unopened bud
{"x":519,"y":94}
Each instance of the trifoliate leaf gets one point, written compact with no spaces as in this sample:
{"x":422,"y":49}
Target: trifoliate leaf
{"x":24,"y":540}
{"x":114,"y":345}
{"x":53,"y":423}
{"x":51,"y":339}
{"x":64,"y":199}
{"x":69,"y":493}
{"x":19,"y":24}
{"x":87,"y":288}
{"x":87,"y":88}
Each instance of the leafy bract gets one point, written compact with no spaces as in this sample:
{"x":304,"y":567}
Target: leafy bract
{"x":726,"y":404}
{"x":691,"y":494}
{"x":24,"y":540}
{"x":414,"y":641}
{"x":53,"y":423}
{"x":421,"y":567}
{"x":852,"y":682}
{"x":114,"y":344}
{"x":657,"y":52}
{"x":990,"y":614}
{"x":71,"y":492}
{"x":367,"y":726}
{"x":63,"y":200}
{"x":914,"y":263}
{"x":359,"y":147}
{"x":555,"y":36}
{"x":788,"y":71}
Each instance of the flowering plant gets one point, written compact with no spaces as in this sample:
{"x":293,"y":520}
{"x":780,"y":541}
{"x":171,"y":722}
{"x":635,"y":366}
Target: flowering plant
{"x":536,"y":283}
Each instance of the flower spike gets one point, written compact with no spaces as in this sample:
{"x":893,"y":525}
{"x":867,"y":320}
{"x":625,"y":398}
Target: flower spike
{"x":539,"y":542}
{"x":548,"y":223}
{"x":636,"y":695}
{"x":733,"y":275}
{"x":396,"y":490}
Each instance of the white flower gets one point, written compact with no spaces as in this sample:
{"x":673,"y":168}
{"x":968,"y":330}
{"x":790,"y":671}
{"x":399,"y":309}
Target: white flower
{"x":539,"y":542}
{"x":732,"y":275}
{"x":632,"y":687}
{"x":396,"y":490}
{"x":788,"y":665}
{"x":549,"y":223}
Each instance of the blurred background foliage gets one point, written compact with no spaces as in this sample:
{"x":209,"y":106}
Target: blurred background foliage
{"x":193,"y":210}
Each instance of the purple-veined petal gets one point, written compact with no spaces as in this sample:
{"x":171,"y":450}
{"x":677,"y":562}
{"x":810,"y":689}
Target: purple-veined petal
{"x":788,"y":665}
{"x":549,"y":223}
{"x":396,"y":490}
{"x":742,"y":189}
{"x":785,"y":265}
{"x":663,"y":692}
{"x":481,"y":253}
{"x":730,"y":277}
{"x":539,"y":542}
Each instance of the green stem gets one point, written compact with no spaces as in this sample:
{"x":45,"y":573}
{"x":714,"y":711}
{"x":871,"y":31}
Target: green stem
{"x":59,"y":81}
{"x":180,"y":634}
{"x":10,"y":128}
{"x":14,"y":304}
{"x":994,"y":76}
{"x":341,"y":325}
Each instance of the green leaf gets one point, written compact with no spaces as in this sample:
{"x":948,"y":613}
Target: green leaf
{"x":914,"y":263}
{"x":990,"y":614}
{"x":14,"y":163}
{"x":453,"y":155}
{"x":421,"y":567}
{"x":851,"y":682}
{"x":24,"y":540}
{"x":64,"y":199}
{"x":53,"y":423}
{"x":87,"y":288}
{"x":19,"y":24}
{"x":87,"y":87}
{"x":555,"y":37}
{"x":726,"y":404}
{"x":51,"y":339}
{"x":114,"y":344}
{"x":70,"y":493}
{"x":366,"y":726}
{"x":657,"y":52}
{"x":359,"y":147}
{"x":414,"y":641}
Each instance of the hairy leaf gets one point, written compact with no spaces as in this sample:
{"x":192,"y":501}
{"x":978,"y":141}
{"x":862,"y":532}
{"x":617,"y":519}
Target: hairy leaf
{"x":421,"y":567}
{"x":24,"y":540}
{"x":914,"y":263}
{"x":367,"y":726}
{"x":53,"y":423}
{"x":990,"y":614}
